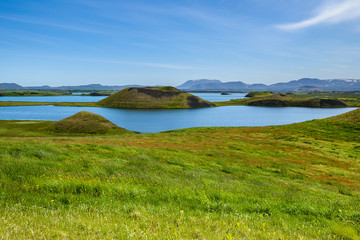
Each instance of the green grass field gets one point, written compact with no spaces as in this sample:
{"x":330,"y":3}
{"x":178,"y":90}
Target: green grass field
{"x":298,"y":181}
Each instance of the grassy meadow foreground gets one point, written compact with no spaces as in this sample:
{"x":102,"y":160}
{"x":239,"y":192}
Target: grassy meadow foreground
{"x":298,"y":181}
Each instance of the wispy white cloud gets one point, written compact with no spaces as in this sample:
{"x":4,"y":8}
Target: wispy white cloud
{"x":5,"y":43}
{"x":110,"y":61}
{"x":170,"y":13}
{"x":49,"y":24}
{"x":147,"y":64}
{"x":330,"y":12}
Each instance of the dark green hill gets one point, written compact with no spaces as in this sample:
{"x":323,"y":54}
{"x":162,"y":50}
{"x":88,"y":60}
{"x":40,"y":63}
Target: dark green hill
{"x":258,"y":93}
{"x":266,"y":99}
{"x":153,"y":97}
{"x":282,"y":100}
{"x":86,"y":123}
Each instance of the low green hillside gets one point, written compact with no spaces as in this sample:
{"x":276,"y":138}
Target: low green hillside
{"x":350,"y":119}
{"x":352,"y":99}
{"x":297,"y":181}
{"x":285,"y":100}
{"x":279,"y":100}
{"x":153,"y":97}
{"x":258,"y":93}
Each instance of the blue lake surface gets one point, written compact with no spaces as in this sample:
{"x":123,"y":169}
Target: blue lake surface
{"x":162,"y":120}
{"x":217,"y":97}
{"x":213,"y":97}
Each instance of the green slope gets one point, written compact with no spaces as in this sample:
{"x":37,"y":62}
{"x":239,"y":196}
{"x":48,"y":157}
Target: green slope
{"x":266,"y":99}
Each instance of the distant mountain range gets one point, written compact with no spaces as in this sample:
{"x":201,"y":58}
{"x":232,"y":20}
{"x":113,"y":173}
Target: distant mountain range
{"x":301,"y":85}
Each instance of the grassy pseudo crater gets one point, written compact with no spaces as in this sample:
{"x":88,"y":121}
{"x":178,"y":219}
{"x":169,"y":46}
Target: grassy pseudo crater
{"x":85,"y":123}
{"x":154,"y":98}
{"x":268,"y":99}
{"x":80,"y":124}
{"x":297,"y":181}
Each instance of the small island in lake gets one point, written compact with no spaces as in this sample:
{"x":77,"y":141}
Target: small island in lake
{"x":269,"y":99}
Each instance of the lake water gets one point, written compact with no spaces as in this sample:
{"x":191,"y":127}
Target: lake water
{"x":162,"y":120}
{"x":213,"y":97}
{"x":217,"y":97}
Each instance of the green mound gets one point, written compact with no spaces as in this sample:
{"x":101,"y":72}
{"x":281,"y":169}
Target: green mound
{"x":86,"y":123}
{"x":350,"y":118}
{"x":153,"y":97}
{"x":282,"y":100}
{"x":258,"y":94}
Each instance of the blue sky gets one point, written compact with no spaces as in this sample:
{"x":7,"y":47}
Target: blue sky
{"x":158,"y":42}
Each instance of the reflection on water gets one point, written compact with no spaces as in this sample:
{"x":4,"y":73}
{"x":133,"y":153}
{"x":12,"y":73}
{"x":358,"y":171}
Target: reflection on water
{"x":162,"y":120}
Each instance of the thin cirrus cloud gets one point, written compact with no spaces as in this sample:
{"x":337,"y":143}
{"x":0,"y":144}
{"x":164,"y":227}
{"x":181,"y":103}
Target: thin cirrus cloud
{"x":330,"y":12}
{"x":93,"y":60}
{"x":147,"y":64}
{"x":45,"y":23}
